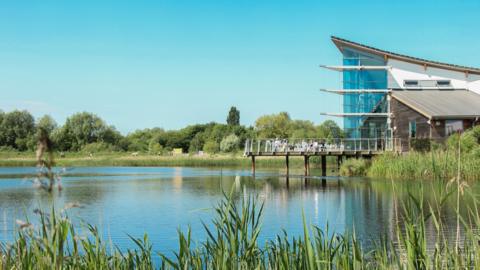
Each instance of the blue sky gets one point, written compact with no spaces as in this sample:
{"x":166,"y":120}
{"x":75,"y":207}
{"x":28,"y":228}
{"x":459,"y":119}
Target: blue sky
{"x":144,"y":64}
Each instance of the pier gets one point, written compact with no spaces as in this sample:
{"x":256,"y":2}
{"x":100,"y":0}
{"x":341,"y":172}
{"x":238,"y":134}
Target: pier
{"x":340,"y":148}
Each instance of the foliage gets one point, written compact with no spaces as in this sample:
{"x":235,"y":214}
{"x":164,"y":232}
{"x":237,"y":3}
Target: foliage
{"x":155,"y":148}
{"x":273,"y":126}
{"x":232,"y":243}
{"x":46,"y":123}
{"x":229,"y":143}
{"x":233,"y":118}
{"x":420,"y":144}
{"x":84,"y":128}
{"x":81,"y":131}
{"x":211,"y":147}
{"x":281,"y":126}
{"x":354,"y":167}
{"x":17,"y":129}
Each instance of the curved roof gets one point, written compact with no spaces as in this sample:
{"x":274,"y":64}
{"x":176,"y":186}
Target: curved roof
{"x":340,"y":43}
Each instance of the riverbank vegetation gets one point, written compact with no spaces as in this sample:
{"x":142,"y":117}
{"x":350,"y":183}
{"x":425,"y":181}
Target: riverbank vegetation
{"x":460,"y":154}
{"x":86,"y":133}
{"x":233,"y":243}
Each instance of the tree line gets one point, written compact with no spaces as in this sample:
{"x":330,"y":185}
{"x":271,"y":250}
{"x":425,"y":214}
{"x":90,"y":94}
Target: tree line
{"x":84,"y":131}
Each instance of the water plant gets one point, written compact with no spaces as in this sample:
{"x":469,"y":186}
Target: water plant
{"x":232,"y":243}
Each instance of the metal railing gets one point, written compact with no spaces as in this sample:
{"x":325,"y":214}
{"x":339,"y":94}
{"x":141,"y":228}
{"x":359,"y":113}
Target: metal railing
{"x":257,"y":146}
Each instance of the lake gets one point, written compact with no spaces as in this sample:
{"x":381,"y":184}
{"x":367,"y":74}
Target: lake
{"x":159,"y":201}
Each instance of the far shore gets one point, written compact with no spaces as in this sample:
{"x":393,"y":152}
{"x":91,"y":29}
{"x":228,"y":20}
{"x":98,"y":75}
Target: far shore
{"x":78,"y":159}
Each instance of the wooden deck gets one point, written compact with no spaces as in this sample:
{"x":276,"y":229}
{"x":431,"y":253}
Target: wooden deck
{"x":306,"y":148}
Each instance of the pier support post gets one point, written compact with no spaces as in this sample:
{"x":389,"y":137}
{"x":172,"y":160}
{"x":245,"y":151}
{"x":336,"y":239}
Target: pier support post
{"x":339,"y":162}
{"x":253,"y":166}
{"x":324,"y":165}
{"x":287,"y":165}
{"x":306,"y":161}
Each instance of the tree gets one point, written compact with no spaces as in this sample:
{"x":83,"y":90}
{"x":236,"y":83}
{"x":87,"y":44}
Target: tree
{"x":84,"y":128}
{"x":273,"y":126}
{"x":17,"y":129}
{"x":233,"y":118}
{"x":329,"y":129}
{"x":47,"y":124}
{"x":229,"y":143}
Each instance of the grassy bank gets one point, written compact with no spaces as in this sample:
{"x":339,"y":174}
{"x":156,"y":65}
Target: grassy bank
{"x":26,"y":159}
{"x":232,"y":243}
{"x":440,"y":164}
{"x":458,"y":156}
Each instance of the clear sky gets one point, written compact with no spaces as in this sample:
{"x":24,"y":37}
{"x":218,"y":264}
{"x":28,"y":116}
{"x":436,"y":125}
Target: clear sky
{"x":172,"y":63}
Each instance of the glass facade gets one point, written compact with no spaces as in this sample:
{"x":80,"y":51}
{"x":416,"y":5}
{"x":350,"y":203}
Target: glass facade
{"x":362,"y":126}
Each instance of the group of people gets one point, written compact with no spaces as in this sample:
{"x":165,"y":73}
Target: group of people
{"x":278,"y":145}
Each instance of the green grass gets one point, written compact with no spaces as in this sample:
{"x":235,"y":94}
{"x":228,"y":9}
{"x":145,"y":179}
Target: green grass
{"x":437,"y":164}
{"x":232,"y":243}
{"x":27,"y":159}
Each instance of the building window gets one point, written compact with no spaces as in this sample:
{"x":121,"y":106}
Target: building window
{"x":412,"y":129}
{"x":443,"y":83}
{"x":410,"y":83}
{"x":453,"y":126}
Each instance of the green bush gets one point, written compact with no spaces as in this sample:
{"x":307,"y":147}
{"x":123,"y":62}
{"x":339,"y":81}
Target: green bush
{"x":467,"y":141}
{"x":211,"y":147}
{"x":354,"y":167}
{"x":420,"y":144}
{"x":229,"y":143}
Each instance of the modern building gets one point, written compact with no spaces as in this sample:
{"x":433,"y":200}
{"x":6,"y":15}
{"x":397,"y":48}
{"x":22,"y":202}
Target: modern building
{"x":398,"y":97}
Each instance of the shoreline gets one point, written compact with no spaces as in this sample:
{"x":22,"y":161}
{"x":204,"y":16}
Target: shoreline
{"x":127,"y":160}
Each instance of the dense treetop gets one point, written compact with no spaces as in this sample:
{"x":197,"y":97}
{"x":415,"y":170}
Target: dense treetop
{"x":89,"y":133}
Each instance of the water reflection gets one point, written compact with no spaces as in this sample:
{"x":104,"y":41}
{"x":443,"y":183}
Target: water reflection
{"x":158,"y":201}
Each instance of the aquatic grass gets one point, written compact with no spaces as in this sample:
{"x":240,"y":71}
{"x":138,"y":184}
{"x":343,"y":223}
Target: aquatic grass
{"x":232,"y":243}
{"x":435,"y":165}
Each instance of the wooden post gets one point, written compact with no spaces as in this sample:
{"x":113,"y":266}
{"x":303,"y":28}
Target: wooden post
{"x":324,"y":165}
{"x":253,"y":165}
{"x":287,"y":163}
{"x":339,"y":162}
{"x":306,"y":161}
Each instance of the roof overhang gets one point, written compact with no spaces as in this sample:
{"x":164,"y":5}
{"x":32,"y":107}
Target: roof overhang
{"x":441,"y":104}
{"x":342,"y":43}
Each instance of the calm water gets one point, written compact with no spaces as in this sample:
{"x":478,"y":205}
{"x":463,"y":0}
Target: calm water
{"x":158,"y":201}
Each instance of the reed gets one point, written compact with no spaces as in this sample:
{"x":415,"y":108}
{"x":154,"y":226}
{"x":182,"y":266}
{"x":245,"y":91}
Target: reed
{"x":437,"y":164}
{"x":232,"y":243}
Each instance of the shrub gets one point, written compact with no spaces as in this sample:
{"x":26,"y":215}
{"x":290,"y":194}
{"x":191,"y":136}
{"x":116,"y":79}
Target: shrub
{"x":229,"y":143}
{"x":354,"y":167}
{"x":155,"y":148}
{"x":211,"y":147}
{"x":420,"y":144}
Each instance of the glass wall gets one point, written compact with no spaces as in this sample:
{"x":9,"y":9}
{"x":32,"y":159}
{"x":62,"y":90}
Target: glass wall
{"x":364,"y":127}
